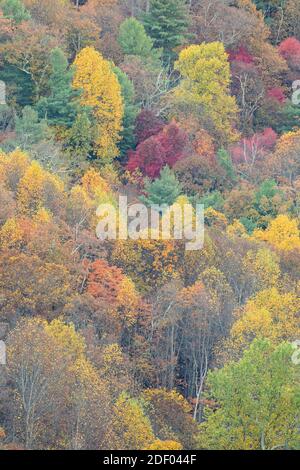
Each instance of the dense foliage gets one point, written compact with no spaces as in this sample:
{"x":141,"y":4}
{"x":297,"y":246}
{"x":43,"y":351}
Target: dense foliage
{"x":142,"y":344}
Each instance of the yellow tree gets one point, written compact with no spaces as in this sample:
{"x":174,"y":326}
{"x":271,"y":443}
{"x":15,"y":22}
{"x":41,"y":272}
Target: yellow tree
{"x":205,"y":82}
{"x":56,"y":390}
{"x":282,"y":233}
{"x":263,"y":268}
{"x":97,"y":188}
{"x":165,"y":445}
{"x":12,"y":168}
{"x":285,"y":162}
{"x":170,"y":416}
{"x":130,"y":428}
{"x":270,"y":314}
{"x":39,"y":188}
{"x":102,"y":92}
{"x":11,"y":234}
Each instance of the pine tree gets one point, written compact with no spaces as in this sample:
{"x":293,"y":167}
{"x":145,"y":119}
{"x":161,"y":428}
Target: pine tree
{"x":131,"y":111}
{"x":60,"y":107}
{"x":224,"y":160}
{"x":14,"y":10}
{"x":29,"y":129}
{"x":79,"y":142}
{"x":164,"y":190}
{"x":166,"y":23}
{"x":133,"y":39}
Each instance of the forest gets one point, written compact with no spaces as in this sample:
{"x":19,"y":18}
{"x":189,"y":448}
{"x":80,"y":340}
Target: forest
{"x":141,"y":344}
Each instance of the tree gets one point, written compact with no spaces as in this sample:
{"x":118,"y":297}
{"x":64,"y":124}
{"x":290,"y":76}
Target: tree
{"x":254,"y":400}
{"x":247,"y":85}
{"x":39,"y":188}
{"x":200,"y":174}
{"x":8,"y":206}
{"x":130,"y":111}
{"x":80,"y":138}
{"x":205,"y":81}
{"x":166,"y":22}
{"x":59,"y":108}
{"x":13,"y":167}
{"x":165,"y":148}
{"x":133,"y":40}
{"x":147,"y":125}
{"x":170,"y":416}
{"x":11,"y":234}
{"x":165,"y":445}
{"x":32,"y":287}
{"x":27,"y":54}
{"x":290,"y":50}
{"x":152,"y":82}
{"x":15,"y":10}
{"x":102,"y":92}
{"x":224,"y":160}
{"x":116,"y":292}
{"x":130,"y":428}
{"x":149,"y":263}
{"x":29,"y":129}
{"x":250,"y":154}
{"x":284,"y":163}
{"x":81,"y":30}
{"x":269,"y":314}
{"x":56,"y":390}
{"x":283,"y":233}
{"x":164,"y":190}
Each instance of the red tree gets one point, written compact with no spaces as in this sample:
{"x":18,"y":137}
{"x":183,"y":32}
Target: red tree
{"x":146,"y":125}
{"x":290,"y":50}
{"x":276,"y":94}
{"x":240,"y":55}
{"x":165,"y":148}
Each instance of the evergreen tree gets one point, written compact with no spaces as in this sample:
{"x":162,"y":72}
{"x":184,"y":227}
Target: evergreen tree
{"x":167,"y":23}
{"x":20,"y":88}
{"x":213,"y":199}
{"x":14,"y":10}
{"x":131,"y":111}
{"x":133,"y":40}
{"x":164,"y":190}
{"x":224,"y":160}
{"x":79,"y":143}
{"x":60,"y":107}
{"x":29,"y":129}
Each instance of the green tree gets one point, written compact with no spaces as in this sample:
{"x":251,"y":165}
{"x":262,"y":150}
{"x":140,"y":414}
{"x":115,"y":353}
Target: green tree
{"x":60,"y":107}
{"x":267,"y":202}
{"x":14,"y":10}
{"x":224,"y":160}
{"x":80,"y":139}
{"x":167,"y":22}
{"x":134,"y":40}
{"x":163,"y":190}
{"x":257,"y":400}
{"x":29,"y":129}
{"x":213,"y":199}
{"x":131,"y":111}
